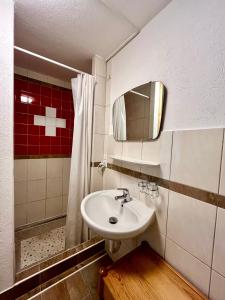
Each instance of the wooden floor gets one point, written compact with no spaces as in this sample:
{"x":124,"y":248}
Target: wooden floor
{"x":144,"y":275}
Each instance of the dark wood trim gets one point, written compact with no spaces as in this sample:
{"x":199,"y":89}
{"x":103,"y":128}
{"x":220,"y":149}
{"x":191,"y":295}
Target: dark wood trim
{"x":24,"y":286}
{"x":41,"y":156}
{"x":199,"y":194}
{"x":42,"y":83}
{"x":95,"y":164}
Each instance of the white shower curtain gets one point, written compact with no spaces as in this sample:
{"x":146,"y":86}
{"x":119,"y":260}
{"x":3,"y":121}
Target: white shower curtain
{"x":79,"y":187}
{"x":119,"y":119}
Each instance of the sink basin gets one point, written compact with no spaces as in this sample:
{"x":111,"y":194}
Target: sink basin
{"x":132,"y":219}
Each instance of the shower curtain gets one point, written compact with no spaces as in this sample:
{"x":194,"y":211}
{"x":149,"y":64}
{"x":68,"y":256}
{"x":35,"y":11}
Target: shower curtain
{"x":79,"y":186}
{"x":119,"y":119}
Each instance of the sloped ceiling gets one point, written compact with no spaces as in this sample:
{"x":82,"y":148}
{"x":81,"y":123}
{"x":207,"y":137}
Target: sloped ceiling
{"x":72,"y":31}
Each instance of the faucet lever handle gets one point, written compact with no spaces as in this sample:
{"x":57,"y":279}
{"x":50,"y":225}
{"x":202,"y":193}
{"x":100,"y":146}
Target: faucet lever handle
{"x":125,"y":191}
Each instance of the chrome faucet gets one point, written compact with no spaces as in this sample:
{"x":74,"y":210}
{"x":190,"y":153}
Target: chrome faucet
{"x":126,"y":196}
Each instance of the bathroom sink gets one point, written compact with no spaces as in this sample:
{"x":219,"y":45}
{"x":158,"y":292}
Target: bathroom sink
{"x":107,"y":217}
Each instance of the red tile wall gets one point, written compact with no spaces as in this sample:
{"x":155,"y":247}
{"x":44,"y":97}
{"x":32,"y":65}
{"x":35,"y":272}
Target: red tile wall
{"x":30,"y":139}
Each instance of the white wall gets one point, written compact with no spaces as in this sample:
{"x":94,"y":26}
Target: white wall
{"x":99,"y":71}
{"x":183,"y":47}
{"x":6,"y":144}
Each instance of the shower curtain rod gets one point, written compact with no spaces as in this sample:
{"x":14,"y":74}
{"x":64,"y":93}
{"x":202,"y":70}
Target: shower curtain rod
{"x":50,"y":60}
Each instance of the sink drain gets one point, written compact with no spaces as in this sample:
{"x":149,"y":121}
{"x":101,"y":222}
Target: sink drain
{"x":113,"y":220}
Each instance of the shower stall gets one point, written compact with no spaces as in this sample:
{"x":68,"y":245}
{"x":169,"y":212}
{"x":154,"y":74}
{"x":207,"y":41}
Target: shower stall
{"x":46,"y":141}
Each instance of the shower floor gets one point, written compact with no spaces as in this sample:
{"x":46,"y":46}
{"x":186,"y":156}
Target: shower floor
{"x":42,"y":246}
{"x":39,"y":242}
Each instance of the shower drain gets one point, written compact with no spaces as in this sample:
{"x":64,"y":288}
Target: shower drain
{"x":113,"y":220}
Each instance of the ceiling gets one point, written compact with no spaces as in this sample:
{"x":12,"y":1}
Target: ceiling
{"x":72,"y":31}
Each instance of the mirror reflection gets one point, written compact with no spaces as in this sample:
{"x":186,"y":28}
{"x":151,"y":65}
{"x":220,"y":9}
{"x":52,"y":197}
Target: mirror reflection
{"x":137,"y":114}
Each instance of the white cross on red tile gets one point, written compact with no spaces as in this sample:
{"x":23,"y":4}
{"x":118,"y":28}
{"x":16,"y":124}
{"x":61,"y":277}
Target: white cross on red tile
{"x":49,"y":121}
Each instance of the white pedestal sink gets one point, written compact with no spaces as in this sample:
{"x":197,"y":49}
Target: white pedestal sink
{"x":132,"y":219}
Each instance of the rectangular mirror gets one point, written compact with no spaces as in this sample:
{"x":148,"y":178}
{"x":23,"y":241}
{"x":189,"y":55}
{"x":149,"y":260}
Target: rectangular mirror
{"x":137,"y":114}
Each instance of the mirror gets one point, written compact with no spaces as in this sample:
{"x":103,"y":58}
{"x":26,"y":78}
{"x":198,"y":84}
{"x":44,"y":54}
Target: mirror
{"x":137,"y":114}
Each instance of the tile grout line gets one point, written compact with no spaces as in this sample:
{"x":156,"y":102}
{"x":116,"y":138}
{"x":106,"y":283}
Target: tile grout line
{"x":215,"y":225}
{"x":168,"y":203}
{"x":213,"y":247}
{"x":187,"y":251}
{"x":218,"y":273}
{"x":221,"y":162}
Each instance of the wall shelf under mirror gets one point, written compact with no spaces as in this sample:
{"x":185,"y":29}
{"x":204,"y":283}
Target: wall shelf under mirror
{"x":135,"y":161}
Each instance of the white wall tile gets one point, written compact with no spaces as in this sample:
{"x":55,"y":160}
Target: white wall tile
{"x":99,"y":119}
{"x":36,"y":169}
{"x":98,"y":66}
{"x":155,"y":239}
{"x":158,"y":150}
{"x":161,"y":205}
{"x":61,"y":123}
{"x":217,"y":287}
{"x":50,"y":112}
{"x":151,"y":150}
{"x":100,"y":91}
{"x":66,"y":175}
{"x":222,"y":175}
{"x":65,"y":203}
{"x":193,"y":269}
{"x":110,"y":129}
{"x":66,"y":167}
{"x":54,"y":187}
{"x":35,"y":211}
{"x":57,"y":169}
{"x":39,"y":120}
{"x":219,"y":245}
{"x":20,"y":169}
{"x":132,"y":149}
{"x":131,"y":184}
{"x":51,"y":122}
{"x":36,"y":190}
{"x":20,"y":214}
{"x":108,"y":82}
{"x":96,"y":180}
{"x":54,"y":167}
{"x":108,"y":118}
{"x":196,"y":158}
{"x":65,"y":182}
{"x":111,"y":179}
{"x":54,"y":207}
{"x":98,"y":147}
{"x":191,"y":225}
{"x":50,"y":131}
{"x":20,"y":192}
{"x":112,"y":147}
